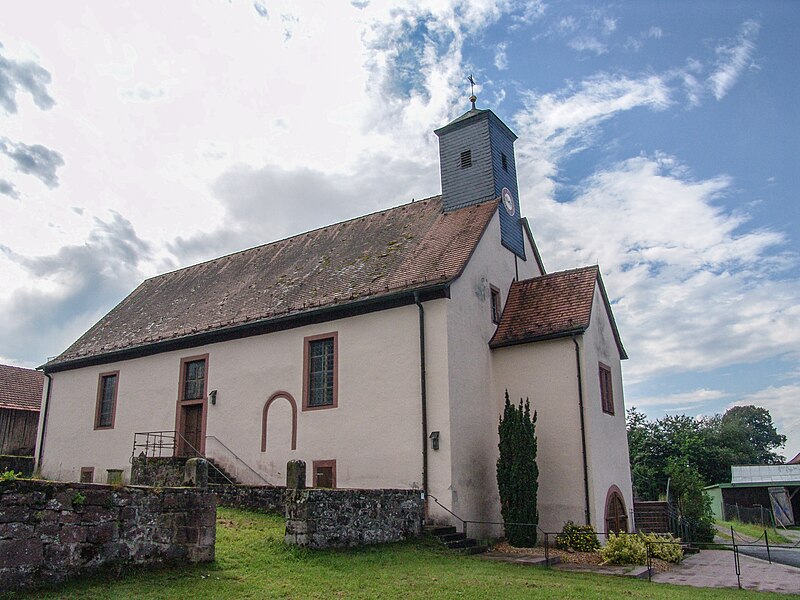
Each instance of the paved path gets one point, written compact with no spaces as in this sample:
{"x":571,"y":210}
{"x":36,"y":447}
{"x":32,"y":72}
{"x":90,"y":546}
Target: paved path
{"x":715,"y":568}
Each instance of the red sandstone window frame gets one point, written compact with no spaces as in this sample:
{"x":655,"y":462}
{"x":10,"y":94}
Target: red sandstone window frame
{"x":606,"y":388}
{"x":87,"y":475}
{"x":307,"y":341}
{"x":101,"y":379}
{"x":497,"y":303}
{"x":324,"y":464}
{"x":183,"y":402}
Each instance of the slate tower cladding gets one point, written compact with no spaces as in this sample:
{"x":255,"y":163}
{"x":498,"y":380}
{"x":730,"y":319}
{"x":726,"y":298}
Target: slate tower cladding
{"x":476,"y":159}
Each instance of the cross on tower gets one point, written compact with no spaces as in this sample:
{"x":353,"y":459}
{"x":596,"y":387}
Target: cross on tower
{"x":472,"y":98}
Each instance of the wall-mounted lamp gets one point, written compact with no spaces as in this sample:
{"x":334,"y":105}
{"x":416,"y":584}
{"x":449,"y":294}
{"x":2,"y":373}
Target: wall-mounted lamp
{"x":213,"y":395}
{"x":434,"y":440}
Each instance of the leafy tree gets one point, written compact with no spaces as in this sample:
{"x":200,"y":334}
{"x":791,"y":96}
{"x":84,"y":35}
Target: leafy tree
{"x":750,"y":432}
{"x":711,"y":445}
{"x":517,"y":473}
{"x":693,"y":503}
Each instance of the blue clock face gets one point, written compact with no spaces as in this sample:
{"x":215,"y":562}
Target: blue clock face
{"x":508,"y":201}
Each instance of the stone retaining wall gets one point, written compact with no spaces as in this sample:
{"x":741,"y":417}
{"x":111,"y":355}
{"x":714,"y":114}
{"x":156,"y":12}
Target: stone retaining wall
{"x":264,"y":499}
{"x":160,"y":471}
{"x":322,"y":518}
{"x":50,"y":531}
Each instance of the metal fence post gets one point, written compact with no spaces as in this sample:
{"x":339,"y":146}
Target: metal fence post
{"x":766,"y":541}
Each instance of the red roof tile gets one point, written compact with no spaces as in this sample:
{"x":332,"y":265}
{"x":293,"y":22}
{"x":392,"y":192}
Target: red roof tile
{"x":20,"y":389}
{"x":405,"y":248}
{"x":551,"y":306}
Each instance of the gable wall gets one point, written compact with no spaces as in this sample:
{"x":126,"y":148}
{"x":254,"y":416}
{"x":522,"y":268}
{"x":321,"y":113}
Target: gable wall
{"x":374,"y":434}
{"x":546,"y":374}
{"x":606,"y":435}
{"x":473,"y":408}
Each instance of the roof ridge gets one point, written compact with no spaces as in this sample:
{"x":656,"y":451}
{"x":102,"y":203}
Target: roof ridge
{"x":4,"y":366}
{"x":291,"y":237}
{"x":558,"y":273}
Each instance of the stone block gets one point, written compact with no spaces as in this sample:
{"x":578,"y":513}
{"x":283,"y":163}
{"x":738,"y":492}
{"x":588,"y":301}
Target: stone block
{"x":186,"y":535}
{"x":12,"y":514}
{"x":17,"y":531}
{"x":296,"y":474}
{"x":72,"y":534}
{"x":102,"y":533}
{"x":195,"y":473}
{"x":18,"y":553}
{"x":48,"y":531}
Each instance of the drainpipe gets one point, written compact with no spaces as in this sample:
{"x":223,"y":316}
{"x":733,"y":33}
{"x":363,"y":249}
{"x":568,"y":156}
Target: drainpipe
{"x":423,"y":397}
{"x":583,"y":432}
{"x":44,"y":421}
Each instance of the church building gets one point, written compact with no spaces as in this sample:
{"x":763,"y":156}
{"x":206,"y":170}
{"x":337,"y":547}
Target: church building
{"x":378,"y":350}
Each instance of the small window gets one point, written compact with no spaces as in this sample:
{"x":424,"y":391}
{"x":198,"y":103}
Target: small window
{"x":87,"y":474}
{"x":466,"y":159}
{"x":106,"y":401}
{"x":504,"y":160}
{"x":324,"y":473}
{"x":194,"y":379}
{"x":320,"y":364}
{"x":606,"y":389}
{"x":497,"y":309}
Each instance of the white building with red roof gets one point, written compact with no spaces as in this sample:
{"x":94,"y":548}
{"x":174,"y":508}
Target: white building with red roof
{"x":378,"y":350}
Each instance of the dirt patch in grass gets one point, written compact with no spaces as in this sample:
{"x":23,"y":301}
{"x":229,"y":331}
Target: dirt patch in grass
{"x":570,"y":556}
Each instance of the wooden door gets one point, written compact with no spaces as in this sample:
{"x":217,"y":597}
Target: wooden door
{"x":192,"y":430}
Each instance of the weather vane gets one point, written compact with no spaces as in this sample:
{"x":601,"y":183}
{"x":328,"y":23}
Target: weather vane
{"x":472,"y":98}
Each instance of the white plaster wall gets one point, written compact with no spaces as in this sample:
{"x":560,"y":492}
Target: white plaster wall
{"x":546,"y":373}
{"x":606,"y":436}
{"x":374,"y":434}
{"x":473,"y":414}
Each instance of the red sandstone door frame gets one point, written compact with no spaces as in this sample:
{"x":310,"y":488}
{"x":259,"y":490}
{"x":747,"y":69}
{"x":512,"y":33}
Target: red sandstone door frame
{"x":185,"y":406}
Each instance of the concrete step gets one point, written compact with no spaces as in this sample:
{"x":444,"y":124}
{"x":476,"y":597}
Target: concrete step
{"x":438,"y":530}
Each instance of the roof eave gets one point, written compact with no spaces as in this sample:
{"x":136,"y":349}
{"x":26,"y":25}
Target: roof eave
{"x":260,"y":327}
{"x":539,"y":338}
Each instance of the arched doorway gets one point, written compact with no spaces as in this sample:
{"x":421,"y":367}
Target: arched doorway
{"x":616,"y":513}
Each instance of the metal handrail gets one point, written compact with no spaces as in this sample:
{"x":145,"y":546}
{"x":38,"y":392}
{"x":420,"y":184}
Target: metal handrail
{"x":236,"y":456}
{"x":175,"y":437}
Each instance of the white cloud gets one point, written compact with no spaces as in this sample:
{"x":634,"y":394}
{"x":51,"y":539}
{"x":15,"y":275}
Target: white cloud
{"x":733,"y":58}
{"x":500,"y":58}
{"x":695,"y":398}
{"x":694,"y":290}
{"x":588,"y":44}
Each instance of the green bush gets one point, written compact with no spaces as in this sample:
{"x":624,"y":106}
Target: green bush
{"x":624,"y":549}
{"x":577,"y":537}
{"x":631,"y":549}
{"x":9,"y":476}
{"x":664,"y":546}
{"x":78,"y":500}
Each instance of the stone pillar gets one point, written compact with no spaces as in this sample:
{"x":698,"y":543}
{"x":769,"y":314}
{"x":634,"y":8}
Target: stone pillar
{"x":296,"y":475}
{"x":195,"y":474}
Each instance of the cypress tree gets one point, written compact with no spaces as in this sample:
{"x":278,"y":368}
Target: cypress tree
{"x":517,"y":473}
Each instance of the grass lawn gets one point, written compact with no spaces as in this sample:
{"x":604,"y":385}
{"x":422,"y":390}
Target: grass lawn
{"x":253,"y":562}
{"x":753,"y":531}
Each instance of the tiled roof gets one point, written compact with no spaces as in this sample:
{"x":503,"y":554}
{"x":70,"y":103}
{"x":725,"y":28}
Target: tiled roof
{"x":405,"y":248}
{"x":20,"y":389}
{"x":550,"y":306}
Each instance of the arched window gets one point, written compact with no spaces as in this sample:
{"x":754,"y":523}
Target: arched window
{"x":265,"y":415}
{"x":616,"y":513}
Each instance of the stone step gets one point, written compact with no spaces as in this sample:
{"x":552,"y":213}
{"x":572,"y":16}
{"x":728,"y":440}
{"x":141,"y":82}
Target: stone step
{"x":451,"y":537}
{"x":438,"y":530}
{"x":462,"y":543}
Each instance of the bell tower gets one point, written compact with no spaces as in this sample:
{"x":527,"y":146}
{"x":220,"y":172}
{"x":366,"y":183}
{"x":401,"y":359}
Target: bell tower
{"x":476,"y":160}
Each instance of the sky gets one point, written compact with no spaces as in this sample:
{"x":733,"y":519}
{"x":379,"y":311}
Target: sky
{"x":656,"y":139}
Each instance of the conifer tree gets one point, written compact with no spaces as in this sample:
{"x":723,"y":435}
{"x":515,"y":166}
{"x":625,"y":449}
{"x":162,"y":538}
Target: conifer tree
{"x":517,"y":473}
